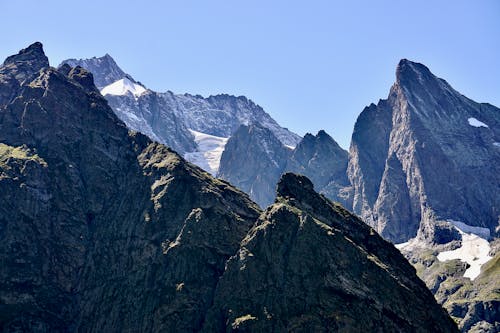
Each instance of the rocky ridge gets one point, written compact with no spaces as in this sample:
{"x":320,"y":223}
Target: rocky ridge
{"x":415,"y":159}
{"x":168,"y":117}
{"x":310,"y":261}
{"x":102,"y":229}
{"x":254,"y":159}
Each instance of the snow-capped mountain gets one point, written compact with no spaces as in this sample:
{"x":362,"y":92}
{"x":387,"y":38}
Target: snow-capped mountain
{"x":425,"y":154}
{"x":104,"y":69}
{"x":208,"y":153}
{"x":123,"y":87}
{"x":194,"y":126}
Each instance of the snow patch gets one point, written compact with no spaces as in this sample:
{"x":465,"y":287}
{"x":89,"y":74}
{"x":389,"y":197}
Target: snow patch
{"x":476,"y":123}
{"x":290,"y":147}
{"x":497,"y":144}
{"x":210,"y":149}
{"x":474,"y":249}
{"x":123,"y":87}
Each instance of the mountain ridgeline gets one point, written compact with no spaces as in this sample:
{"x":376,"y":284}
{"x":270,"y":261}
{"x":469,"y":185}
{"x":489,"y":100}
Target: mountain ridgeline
{"x":254,"y":159}
{"x":104,"y":230}
{"x":420,"y":157}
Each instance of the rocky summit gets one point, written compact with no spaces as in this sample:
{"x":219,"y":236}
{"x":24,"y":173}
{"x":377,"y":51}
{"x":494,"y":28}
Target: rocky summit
{"x":254,"y":159}
{"x":104,"y":230}
{"x":171,"y":118}
{"x":425,"y":154}
{"x":308,"y":265}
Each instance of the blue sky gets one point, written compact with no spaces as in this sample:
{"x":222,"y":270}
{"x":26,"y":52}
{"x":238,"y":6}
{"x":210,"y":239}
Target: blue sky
{"x":311,"y":64}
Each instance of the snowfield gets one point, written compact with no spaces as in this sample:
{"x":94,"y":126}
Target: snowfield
{"x":209,"y":151}
{"x":474,"y":249}
{"x":123,"y":87}
{"x":476,"y":123}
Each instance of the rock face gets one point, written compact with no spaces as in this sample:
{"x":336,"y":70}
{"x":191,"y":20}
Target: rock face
{"x":168,"y":117}
{"x":103,"y":230}
{"x":425,"y":154}
{"x":475,"y":304}
{"x":308,"y":265}
{"x":254,"y":159}
{"x":105,"y":69}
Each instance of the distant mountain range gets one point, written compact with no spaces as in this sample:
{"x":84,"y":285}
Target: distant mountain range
{"x":192,"y":125}
{"x":423,"y":169}
{"x":104,"y":230}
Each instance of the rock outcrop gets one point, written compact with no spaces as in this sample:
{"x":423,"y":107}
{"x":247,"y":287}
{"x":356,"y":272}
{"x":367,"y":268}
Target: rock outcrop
{"x":253,"y":161}
{"x":100,"y":228}
{"x":308,"y":265}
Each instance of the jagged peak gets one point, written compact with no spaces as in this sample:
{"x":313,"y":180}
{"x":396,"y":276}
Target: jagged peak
{"x":83,"y":77}
{"x":295,"y":186}
{"x":323,"y":136}
{"x":409,"y":71}
{"x":33,"y":56}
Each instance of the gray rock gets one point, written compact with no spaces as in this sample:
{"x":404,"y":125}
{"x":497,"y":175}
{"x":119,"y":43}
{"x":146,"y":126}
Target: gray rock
{"x":308,"y":265}
{"x":105,"y":69}
{"x":415,"y":159}
{"x":253,"y":161}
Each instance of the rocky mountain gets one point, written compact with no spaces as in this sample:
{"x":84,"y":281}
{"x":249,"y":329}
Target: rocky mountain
{"x":465,"y":278}
{"x":424,"y":168}
{"x":254,"y":159}
{"x":102,"y":229}
{"x":171,"y":118}
{"x":106,"y":67}
{"x":312,"y":262}
{"x":425,"y":154}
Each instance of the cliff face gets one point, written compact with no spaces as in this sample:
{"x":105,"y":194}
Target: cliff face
{"x":308,"y":265}
{"x":425,"y":154}
{"x":254,"y":159}
{"x":101,"y":229}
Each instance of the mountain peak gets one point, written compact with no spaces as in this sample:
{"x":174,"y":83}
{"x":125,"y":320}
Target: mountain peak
{"x":32,"y":52}
{"x":105,"y":69}
{"x":409,"y":71}
{"x":28,"y":61}
{"x":295,"y":186}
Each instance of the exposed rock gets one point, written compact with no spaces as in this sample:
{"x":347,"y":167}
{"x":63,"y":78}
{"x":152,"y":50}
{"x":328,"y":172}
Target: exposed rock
{"x":101,"y":229}
{"x":308,"y":265}
{"x":415,"y":158}
{"x":253,"y":161}
{"x":473,"y":304}
{"x":104,"y":68}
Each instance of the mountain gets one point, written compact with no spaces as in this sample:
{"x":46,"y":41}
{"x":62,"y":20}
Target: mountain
{"x":308,"y":265}
{"x":464,"y":278}
{"x":172,"y":118}
{"x":425,"y":154}
{"x":424,"y":168}
{"x":108,"y":71}
{"x":102,"y":229}
{"x":254,"y":159}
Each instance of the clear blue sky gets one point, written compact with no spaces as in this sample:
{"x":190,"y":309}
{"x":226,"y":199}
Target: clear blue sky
{"x":311,"y":64}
